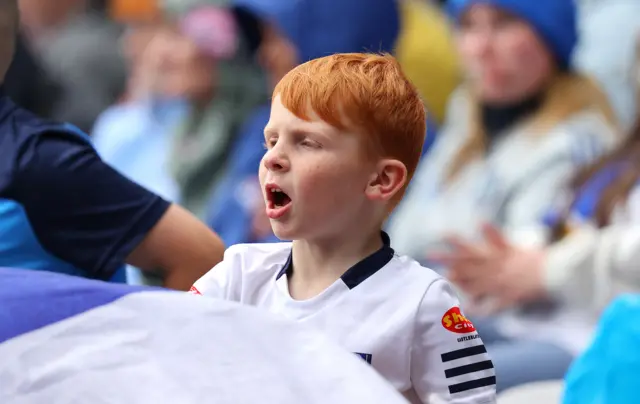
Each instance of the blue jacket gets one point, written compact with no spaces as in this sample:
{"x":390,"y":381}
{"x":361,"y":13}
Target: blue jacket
{"x":62,"y":209}
{"x":584,"y":206}
{"x":317,"y":28}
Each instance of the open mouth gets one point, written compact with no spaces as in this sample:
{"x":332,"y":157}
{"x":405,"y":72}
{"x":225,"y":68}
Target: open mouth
{"x":277,"y":198}
{"x":278,"y":202}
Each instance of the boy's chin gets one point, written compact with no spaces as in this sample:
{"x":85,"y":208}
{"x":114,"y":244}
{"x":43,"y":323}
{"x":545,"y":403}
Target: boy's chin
{"x":284,"y":233}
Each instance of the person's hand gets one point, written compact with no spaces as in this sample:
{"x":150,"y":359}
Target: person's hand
{"x":494,"y":270}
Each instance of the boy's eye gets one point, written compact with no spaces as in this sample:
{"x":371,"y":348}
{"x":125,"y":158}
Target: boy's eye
{"x":310,"y":143}
{"x":269,"y":143}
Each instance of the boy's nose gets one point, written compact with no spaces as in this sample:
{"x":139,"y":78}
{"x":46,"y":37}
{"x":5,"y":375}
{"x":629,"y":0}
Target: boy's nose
{"x":274,"y":161}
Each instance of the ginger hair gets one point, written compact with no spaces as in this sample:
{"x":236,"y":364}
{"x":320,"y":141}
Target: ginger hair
{"x":367,"y":94}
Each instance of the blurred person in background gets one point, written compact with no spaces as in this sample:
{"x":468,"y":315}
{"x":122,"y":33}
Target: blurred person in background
{"x":517,"y":131}
{"x":213,"y":71}
{"x":64,"y":210}
{"x":592,"y":257}
{"x":608,"y":29}
{"x":78,"y":48}
{"x":185,"y":97}
{"x":134,"y":135}
{"x":287,"y":33}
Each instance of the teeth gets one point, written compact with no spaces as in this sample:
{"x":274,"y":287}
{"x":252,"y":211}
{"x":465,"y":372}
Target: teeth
{"x":276,"y":190}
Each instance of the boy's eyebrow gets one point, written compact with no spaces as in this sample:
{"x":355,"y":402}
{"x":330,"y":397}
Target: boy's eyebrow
{"x":298,"y":129}
{"x":319,"y":134}
{"x":269,"y":131}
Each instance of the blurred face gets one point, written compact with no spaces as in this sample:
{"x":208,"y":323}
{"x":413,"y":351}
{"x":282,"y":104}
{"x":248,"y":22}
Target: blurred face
{"x":169,"y":64}
{"x":188,"y":72}
{"x":39,"y":15}
{"x":137,"y":38}
{"x":505,"y":60}
{"x":276,"y":54}
{"x":313,"y":176}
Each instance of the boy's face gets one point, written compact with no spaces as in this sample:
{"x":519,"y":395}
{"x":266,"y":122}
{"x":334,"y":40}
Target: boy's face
{"x":322,"y":175}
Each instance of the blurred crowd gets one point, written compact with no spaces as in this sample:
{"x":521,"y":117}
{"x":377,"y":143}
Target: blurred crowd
{"x":526,"y":196}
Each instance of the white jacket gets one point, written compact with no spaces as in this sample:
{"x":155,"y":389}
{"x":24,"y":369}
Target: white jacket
{"x":513,"y":187}
{"x":590,"y":266}
{"x":584,"y":272}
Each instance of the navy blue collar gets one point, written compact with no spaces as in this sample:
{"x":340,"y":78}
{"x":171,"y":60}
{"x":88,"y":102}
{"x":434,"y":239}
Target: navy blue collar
{"x":360,"y":271}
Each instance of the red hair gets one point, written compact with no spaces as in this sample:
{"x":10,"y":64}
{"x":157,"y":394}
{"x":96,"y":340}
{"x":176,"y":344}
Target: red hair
{"x":364,"y":93}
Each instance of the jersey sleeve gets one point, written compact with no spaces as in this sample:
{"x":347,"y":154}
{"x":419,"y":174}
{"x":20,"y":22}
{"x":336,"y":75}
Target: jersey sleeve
{"x":449,"y":362}
{"x":80,"y":209}
{"x":224,"y":281}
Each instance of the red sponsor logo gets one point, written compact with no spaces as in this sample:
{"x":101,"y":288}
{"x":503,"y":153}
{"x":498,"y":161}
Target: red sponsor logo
{"x":194,"y":291}
{"x":454,"y":321}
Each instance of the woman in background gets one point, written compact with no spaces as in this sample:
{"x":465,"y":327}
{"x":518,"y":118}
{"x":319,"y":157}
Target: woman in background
{"x":516,"y":133}
{"x":593,"y":256}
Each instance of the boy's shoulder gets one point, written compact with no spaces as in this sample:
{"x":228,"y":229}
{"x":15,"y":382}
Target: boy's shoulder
{"x":428,"y":289}
{"x":410,"y":268}
{"x":261,"y":261}
{"x":266,"y":256}
{"x":258,"y":256}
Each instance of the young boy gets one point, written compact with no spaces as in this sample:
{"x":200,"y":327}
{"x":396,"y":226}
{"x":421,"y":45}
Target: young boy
{"x":343,"y":140}
{"x":284,"y":34}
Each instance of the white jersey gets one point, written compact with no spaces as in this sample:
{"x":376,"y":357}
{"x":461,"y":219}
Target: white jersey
{"x":398,"y":316}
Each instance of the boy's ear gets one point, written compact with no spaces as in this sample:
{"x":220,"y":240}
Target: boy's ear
{"x":389,"y":178}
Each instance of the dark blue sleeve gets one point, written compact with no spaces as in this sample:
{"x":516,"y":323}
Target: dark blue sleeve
{"x":81,"y":210}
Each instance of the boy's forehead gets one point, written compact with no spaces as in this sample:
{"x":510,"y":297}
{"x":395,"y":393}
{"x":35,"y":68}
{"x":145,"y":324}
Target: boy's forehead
{"x":282,"y":119}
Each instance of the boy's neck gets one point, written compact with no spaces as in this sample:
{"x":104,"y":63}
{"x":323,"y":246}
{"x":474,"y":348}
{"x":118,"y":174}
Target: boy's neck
{"x":319,"y":263}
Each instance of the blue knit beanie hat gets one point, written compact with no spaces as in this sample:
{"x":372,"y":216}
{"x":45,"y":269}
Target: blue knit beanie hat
{"x":553,"y":20}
